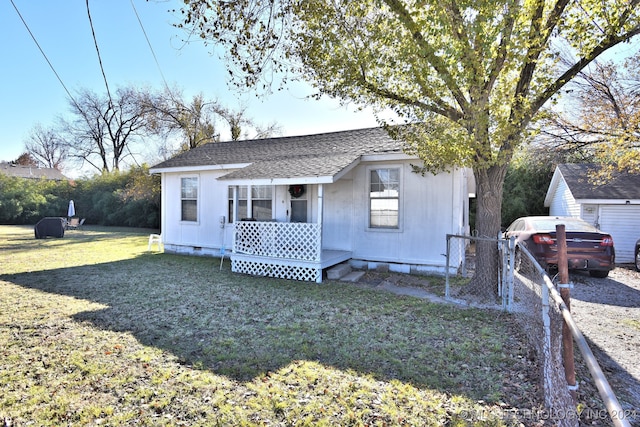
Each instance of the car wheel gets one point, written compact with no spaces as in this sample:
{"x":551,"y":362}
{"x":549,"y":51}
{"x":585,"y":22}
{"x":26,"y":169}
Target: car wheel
{"x":600,"y":274}
{"x":638,"y":258}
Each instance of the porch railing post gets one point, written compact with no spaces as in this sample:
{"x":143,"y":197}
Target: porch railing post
{"x":320,"y":209}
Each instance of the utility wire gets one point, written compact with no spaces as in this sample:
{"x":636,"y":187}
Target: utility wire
{"x":95,"y":42}
{"x":149,"y":43}
{"x":45,"y":56}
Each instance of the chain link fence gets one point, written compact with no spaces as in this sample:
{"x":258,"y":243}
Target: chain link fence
{"x":541,"y":320}
{"x":525,"y":290}
{"x":461,"y":268}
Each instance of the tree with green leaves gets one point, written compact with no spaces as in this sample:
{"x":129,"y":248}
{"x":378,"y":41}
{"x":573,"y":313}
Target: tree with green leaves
{"x":469,"y":76}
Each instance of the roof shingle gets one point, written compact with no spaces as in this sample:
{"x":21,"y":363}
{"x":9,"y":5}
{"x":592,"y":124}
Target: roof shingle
{"x":289,"y":157}
{"x":622,"y":185}
{"x":32,"y":172}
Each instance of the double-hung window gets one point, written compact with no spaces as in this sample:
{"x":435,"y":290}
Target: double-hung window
{"x":384,"y":198}
{"x":261,"y":202}
{"x":189,"y":198}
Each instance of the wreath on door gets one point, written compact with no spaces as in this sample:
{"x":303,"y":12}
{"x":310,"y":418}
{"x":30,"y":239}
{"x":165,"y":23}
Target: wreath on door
{"x":296,"y":190}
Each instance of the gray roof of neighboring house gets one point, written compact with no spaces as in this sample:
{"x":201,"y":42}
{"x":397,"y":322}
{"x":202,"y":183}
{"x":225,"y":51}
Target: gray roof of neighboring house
{"x":621,"y":186}
{"x":32,"y":172}
{"x":288,"y":157}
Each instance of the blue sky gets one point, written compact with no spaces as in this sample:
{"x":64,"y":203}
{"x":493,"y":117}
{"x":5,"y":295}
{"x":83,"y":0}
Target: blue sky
{"x":30,"y":93}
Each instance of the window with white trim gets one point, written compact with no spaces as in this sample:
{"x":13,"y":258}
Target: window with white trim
{"x":261,"y":202}
{"x":189,"y":198}
{"x":384,"y":198}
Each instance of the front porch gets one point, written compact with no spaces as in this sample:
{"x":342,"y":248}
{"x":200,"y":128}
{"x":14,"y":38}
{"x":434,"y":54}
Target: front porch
{"x":282,"y":249}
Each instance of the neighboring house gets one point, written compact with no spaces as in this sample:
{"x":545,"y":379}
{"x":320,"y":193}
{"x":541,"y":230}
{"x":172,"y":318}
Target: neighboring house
{"x":292,"y":206}
{"x":613,"y":207}
{"x":31,"y":172}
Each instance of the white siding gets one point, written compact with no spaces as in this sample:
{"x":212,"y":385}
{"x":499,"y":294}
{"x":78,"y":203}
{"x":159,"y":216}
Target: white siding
{"x":623,"y":223}
{"x":563,"y":203}
{"x":589,"y":213}
{"x":204,"y":236}
{"x":338,"y":214}
{"x":430,"y":208}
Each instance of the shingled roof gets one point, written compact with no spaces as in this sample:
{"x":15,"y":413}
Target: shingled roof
{"x":622,"y":185}
{"x":32,"y":172}
{"x":309,"y":156}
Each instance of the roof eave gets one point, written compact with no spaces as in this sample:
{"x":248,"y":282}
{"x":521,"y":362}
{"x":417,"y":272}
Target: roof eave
{"x":201,"y":168}
{"x":621,"y":201}
{"x":555,"y":181}
{"x":280,"y":181}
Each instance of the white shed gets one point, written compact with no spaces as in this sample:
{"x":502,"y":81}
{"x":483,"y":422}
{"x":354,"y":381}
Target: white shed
{"x":613,"y":207}
{"x":293,"y":206}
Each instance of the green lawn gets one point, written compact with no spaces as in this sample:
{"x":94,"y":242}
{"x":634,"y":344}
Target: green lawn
{"x":94,"y":330}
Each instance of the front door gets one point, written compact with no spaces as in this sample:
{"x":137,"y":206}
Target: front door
{"x":298,"y":210}
{"x":298,"y":203}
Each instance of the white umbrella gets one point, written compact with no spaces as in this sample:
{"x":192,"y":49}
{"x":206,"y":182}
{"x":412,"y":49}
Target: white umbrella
{"x":72,"y":209}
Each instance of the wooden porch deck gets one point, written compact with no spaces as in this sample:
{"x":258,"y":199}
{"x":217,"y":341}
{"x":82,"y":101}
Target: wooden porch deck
{"x":287,"y":268}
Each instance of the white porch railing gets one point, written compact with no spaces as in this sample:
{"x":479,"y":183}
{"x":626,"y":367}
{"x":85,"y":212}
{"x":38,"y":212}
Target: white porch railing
{"x":287,"y":240}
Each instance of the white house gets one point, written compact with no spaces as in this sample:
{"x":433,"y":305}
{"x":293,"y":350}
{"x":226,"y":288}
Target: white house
{"x":614,"y":207}
{"x":292,"y":206}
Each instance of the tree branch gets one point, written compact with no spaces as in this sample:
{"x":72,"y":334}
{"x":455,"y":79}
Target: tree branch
{"x":429,"y":54}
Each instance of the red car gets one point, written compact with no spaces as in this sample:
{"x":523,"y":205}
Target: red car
{"x":588,"y":248}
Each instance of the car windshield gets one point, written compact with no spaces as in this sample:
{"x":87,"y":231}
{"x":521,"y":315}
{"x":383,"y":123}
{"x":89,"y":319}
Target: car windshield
{"x":549,"y":224}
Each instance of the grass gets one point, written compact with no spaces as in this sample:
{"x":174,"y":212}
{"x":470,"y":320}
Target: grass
{"x":94,"y":330}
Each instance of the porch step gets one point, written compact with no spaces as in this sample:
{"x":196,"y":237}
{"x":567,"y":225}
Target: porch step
{"x":353,"y":276}
{"x":338,"y":271}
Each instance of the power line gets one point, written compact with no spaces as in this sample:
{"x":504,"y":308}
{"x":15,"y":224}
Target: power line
{"x":44,"y":55}
{"x":149,"y":44}
{"x":95,"y":42}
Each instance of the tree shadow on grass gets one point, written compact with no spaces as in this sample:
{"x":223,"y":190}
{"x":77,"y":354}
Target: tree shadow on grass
{"x":243,"y":327}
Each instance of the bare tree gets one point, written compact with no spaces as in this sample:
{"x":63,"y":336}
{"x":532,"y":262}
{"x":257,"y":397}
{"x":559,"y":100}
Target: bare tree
{"x":25,"y":159}
{"x":196,"y":122}
{"x":168,"y":115}
{"x":602,"y":122}
{"x":47,"y":147}
{"x":104,"y":128}
{"x":243,"y":127}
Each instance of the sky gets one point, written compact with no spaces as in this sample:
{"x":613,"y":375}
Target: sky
{"x":31,"y":94}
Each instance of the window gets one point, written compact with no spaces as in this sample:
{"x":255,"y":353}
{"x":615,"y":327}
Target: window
{"x":189,"y":198}
{"x":242,"y":203}
{"x":261,"y":202}
{"x":384,"y":198}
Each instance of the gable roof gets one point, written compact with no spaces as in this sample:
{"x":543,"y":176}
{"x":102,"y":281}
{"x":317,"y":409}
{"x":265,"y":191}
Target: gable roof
{"x":310,"y":158}
{"x":622,"y":186}
{"x":32,"y":172}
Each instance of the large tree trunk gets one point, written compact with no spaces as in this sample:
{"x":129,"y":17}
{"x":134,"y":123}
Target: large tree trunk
{"x":489,"y":184}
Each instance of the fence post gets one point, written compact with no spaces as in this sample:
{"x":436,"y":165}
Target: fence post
{"x":502,"y":287}
{"x":511,"y":245}
{"x":547,"y":369}
{"x":565,"y":293}
{"x":446,"y":272}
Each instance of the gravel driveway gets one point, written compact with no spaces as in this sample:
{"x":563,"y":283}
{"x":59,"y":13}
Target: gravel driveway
{"x":607,"y":312}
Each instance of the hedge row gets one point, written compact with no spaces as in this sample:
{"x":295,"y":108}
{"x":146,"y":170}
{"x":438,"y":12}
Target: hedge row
{"x":129,"y":199}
